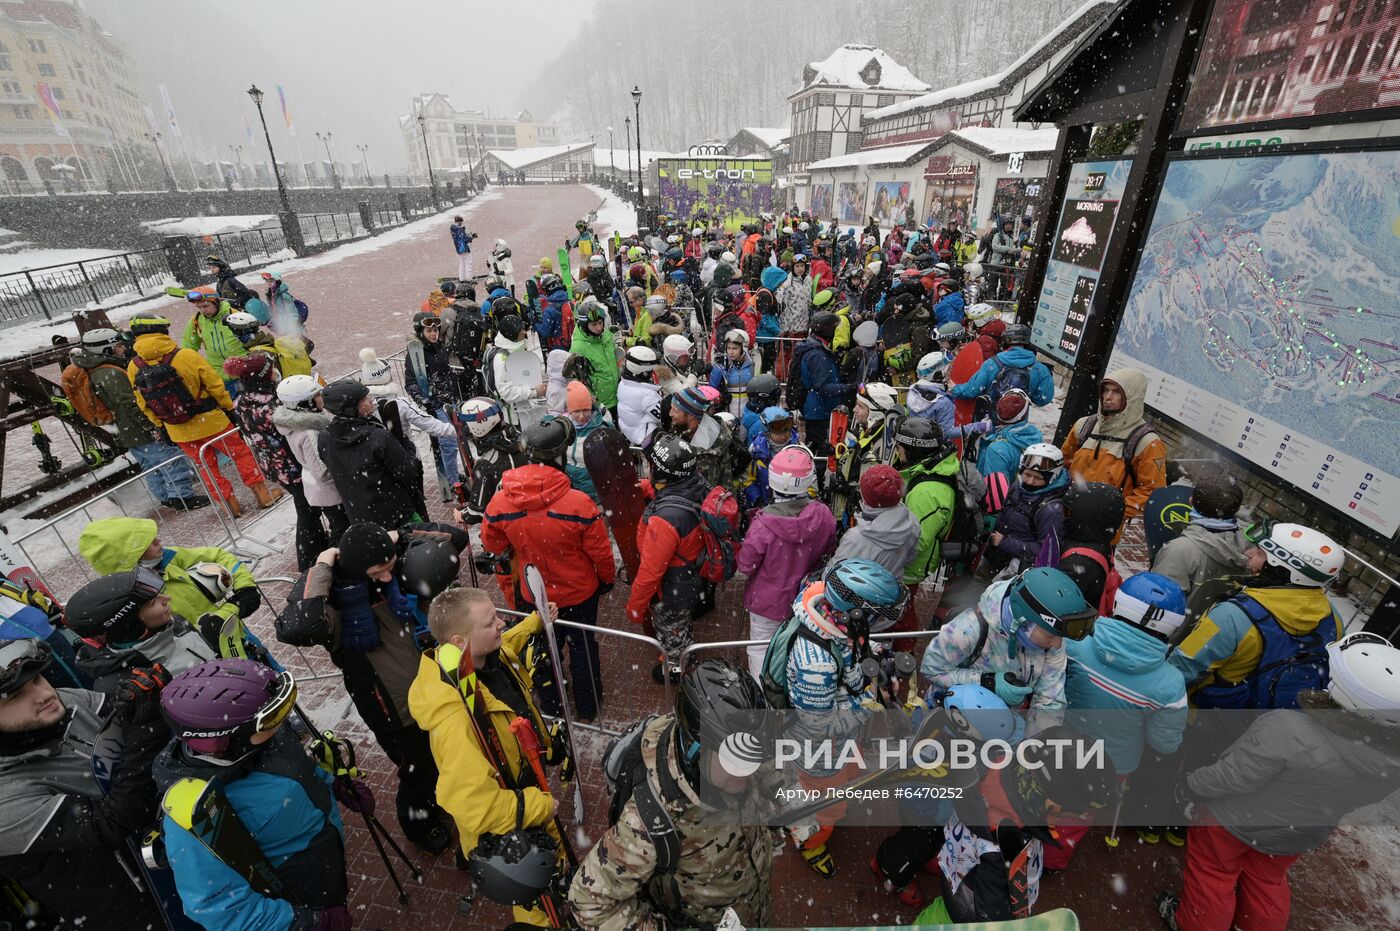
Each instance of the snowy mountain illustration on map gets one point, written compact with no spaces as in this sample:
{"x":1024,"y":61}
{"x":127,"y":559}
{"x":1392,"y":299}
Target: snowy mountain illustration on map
{"x":1270,"y":282}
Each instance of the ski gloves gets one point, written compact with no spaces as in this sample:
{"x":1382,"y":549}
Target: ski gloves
{"x":1013,"y":693}
{"x":137,"y":697}
{"x":354,"y":794}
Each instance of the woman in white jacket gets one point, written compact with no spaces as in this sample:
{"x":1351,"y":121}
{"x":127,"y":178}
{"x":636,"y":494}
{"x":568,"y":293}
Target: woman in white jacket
{"x":502,"y":266}
{"x":300,"y":417}
{"x":638,"y":396}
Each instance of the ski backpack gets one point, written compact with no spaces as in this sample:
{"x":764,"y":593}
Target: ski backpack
{"x":968,"y":527}
{"x":774,"y":677}
{"x":488,"y":370}
{"x":721,"y":532}
{"x":626,"y":775}
{"x":292,"y":356}
{"x":566,"y":327}
{"x":795,"y":391}
{"x":1289,"y":664}
{"x":1006,"y":378}
{"x":77,"y":387}
{"x":1131,"y":442}
{"x":1111,"y":578}
{"x":166,"y":393}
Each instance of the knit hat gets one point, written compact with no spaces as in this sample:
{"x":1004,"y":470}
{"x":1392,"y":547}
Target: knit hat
{"x":374,"y":370}
{"x":546,"y":265}
{"x":361,"y":546}
{"x":691,"y":401}
{"x":579,"y":397}
{"x":255,"y":366}
{"x":881,"y":486}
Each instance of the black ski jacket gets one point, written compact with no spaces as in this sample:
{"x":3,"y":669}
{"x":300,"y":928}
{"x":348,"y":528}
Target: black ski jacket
{"x":373,"y":472}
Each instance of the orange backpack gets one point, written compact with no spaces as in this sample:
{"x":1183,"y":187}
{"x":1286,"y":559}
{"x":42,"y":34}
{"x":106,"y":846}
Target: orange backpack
{"x":77,"y":387}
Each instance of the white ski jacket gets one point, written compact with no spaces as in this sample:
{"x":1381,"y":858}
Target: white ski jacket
{"x":637,"y":414}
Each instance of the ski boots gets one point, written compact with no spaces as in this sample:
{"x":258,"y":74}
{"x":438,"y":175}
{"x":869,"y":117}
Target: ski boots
{"x":434,"y":840}
{"x":1176,"y":836}
{"x":187,"y":503}
{"x":911,"y":895}
{"x":1150,"y":835}
{"x":819,"y":858}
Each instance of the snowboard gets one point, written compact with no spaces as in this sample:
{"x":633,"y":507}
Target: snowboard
{"x":566,"y":272}
{"x":965,"y":365}
{"x":1165,"y":515}
{"x":612,"y":465}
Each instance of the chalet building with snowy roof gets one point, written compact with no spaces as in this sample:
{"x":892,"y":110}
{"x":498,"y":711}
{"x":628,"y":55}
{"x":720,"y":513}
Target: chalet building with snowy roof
{"x":766,"y":141}
{"x":571,"y":162}
{"x":456,"y":136}
{"x":954,"y":153}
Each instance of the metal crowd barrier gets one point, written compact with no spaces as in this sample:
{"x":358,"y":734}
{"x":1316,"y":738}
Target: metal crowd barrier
{"x":695,"y":648}
{"x":235,"y":539}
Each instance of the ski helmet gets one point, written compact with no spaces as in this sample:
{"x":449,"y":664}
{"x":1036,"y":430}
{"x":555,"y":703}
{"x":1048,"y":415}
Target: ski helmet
{"x":933,"y":367}
{"x":979,"y":315}
{"x":878,"y":396}
{"x":424,"y":320}
{"x":597,"y":261}
{"x":342,"y":398}
{"x":511,"y":327}
{"x":481,"y":416}
{"x":715,"y":249}
{"x":672,"y":458}
{"x":950,"y":332}
{"x":1310,"y":557}
{"x":296,"y":391}
{"x":714,"y":707}
{"x":21,"y":661}
{"x":582,"y":289}
{"x":977,"y":712}
{"x":640,"y":360}
{"x":429,"y":567}
{"x":1013,"y":406}
{"x":675,"y":346}
{"x":591,"y":311}
{"x":741,"y":337}
{"x":214,"y":581}
{"x":495,"y":282}
{"x":656,"y":304}
{"x":448,"y":287}
{"x":866,"y":334}
{"x":824,"y":324}
{"x":1049,"y":599}
{"x":1093,"y":511}
{"x":1151,"y":602}
{"x":550,"y":283}
{"x":776,"y":419}
{"x":1016,"y":334}
{"x":141,"y":324}
{"x":972,"y":271}
{"x":1045,"y":460}
{"x":763,"y":391}
{"x":792,"y":472}
{"x":823,"y":297}
{"x":1365,"y":675}
{"x":513,"y":868}
{"x":217,"y":706}
{"x":727,"y":257}
{"x":548,"y":441}
{"x":107,"y":609}
{"x":922,"y":441}
{"x":101,"y":340}
{"x":866,"y":585}
{"x":255,"y":366}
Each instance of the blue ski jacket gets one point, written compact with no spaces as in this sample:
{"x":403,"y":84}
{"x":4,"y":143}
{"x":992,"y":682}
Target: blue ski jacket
{"x":1000,"y":450}
{"x":948,"y":310}
{"x":551,"y":322}
{"x":1042,"y":390}
{"x":820,"y":374}
{"x":461,"y":241}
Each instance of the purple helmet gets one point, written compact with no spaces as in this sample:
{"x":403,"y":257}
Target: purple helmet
{"x":216,"y":706}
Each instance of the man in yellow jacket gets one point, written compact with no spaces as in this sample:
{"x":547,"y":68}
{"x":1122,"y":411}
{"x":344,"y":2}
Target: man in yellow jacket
{"x":202,"y":403}
{"x":464,"y":622}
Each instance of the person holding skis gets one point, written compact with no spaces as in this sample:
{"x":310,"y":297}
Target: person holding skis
{"x":534,"y":518}
{"x":638,"y":396}
{"x":500,"y":265}
{"x":68,"y":838}
{"x":462,"y":245}
{"x":472,"y":694}
{"x":669,"y":541}
{"x":433,"y":387}
{"x":301,"y":417}
{"x":1117,"y":445}
{"x":555,"y":324}
{"x":494,"y":446}
{"x":600,"y":280}
{"x":785,"y":540}
{"x":231,"y":763}
{"x":928,"y":463}
{"x":1033,"y":515}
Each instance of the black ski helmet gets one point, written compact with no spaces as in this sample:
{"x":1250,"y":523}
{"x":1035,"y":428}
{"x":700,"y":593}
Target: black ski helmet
{"x":429,"y":567}
{"x":342,"y":398}
{"x":109,"y":608}
{"x":549,"y":440}
{"x":511,"y":327}
{"x":141,"y":324}
{"x":672,"y":458}
{"x":714,"y":709}
{"x":1017,"y":334}
{"x":1093,"y":511}
{"x":763,"y":391}
{"x":448,"y":286}
{"x":824,"y":325}
{"x":20,"y":661}
{"x":421,"y":318}
{"x":922,"y":440}
{"x":514,"y":868}
{"x":1072,"y":789}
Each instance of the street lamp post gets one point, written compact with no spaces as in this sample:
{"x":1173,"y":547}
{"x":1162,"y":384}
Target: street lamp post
{"x":330,"y":160}
{"x":291,"y":228}
{"x":364,"y":157}
{"x":627,"y":137}
{"x":612,"y":162}
{"x":481,"y":158}
{"x":164,"y":165}
{"x":237,"y":151}
{"x":432,"y":181}
{"x":637,"y":106}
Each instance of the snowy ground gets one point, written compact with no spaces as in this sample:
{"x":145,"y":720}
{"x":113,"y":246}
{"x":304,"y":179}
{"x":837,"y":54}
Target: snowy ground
{"x":24,"y":259}
{"x":208,"y":226}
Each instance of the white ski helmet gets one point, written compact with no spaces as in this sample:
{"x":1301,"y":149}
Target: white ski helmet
{"x":804,"y":226}
{"x":297,"y":390}
{"x":1044,"y":459}
{"x":597,"y":261}
{"x":655,"y":304}
{"x":675,"y":346}
{"x":697,"y":232}
{"x":981,"y":314}
{"x":481,"y":416}
{"x":1311,"y":557}
{"x":972,"y":271}
{"x":874,"y":267}
{"x":736,"y":336}
{"x":501,"y":244}
{"x":878,"y":396}
{"x":1365,"y":674}
{"x":932,"y":366}
{"x":727,"y":257}
{"x":792,"y":472}
{"x":866,"y":334}
{"x":787,"y":230}
{"x":241,"y":320}
{"x":640,"y":360}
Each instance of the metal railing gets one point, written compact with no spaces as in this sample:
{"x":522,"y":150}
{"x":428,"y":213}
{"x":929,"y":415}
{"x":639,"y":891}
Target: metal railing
{"x":1002,"y":283}
{"x":318,"y":228}
{"x":245,"y":247}
{"x":59,"y":289}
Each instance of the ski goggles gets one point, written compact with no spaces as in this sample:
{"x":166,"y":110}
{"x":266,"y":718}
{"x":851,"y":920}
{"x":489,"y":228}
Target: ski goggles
{"x":781,"y":425}
{"x":432,"y":323}
{"x":20,"y":661}
{"x":150,"y":583}
{"x":283,"y":692}
{"x":1072,"y":626}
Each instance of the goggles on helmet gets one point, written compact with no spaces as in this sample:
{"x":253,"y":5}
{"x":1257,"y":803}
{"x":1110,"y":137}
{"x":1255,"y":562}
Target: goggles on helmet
{"x":150,"y":583}
{"x":1073,"y":626}
{"x":284,"y":697}
{"x":20,"y":661}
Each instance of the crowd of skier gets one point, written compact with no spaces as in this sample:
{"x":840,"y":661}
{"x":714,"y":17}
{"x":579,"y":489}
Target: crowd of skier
{"x":836,"y":419}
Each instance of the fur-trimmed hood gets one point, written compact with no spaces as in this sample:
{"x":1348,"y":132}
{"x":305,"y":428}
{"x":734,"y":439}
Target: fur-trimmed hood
{"x":288,"y":419}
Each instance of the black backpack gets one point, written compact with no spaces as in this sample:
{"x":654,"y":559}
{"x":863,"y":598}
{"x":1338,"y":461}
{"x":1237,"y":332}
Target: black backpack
{"x":165,"y":392}
{"x":795,"y":391}
{"x":626,"y":775}
{"x":1007,"y":378}
{"x":967,"y":530}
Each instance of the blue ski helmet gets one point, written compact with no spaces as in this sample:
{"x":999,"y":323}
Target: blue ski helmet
{"x":1049,"y":599}
{"x":1151,"y":602}
{"x":869,"y":586}
{"x":977,"y":712}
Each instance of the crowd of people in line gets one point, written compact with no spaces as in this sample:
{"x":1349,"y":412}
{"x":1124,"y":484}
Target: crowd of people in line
{"x":836,"y":420}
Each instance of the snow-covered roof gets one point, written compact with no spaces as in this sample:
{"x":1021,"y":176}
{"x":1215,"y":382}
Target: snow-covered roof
{"x":1004,"y":141}
{"x":871,"y":158}
{"x":620,"y":158}
{"x":991,"y":82}
{"x":850,"y":66}
{"x":523,"y":158}
{"x":770,"y":136}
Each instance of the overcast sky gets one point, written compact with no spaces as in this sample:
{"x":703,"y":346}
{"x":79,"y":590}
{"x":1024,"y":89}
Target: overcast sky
{"x":348,"y":66}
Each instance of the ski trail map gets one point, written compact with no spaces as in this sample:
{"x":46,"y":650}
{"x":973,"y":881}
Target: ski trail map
{"x":1265,"y":313}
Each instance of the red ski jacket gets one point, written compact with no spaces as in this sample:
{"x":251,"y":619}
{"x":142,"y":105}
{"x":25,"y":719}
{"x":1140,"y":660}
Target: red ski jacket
{"x":667,"y":538}
{"x":540,"y":520}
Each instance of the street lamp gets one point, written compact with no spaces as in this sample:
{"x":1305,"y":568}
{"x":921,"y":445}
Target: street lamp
{"x":627,"y":137}
{"x":326,"y":141}
{"x":164,"y":165}
{"x":637,"y":106}
{"x":481,"y":158}
{"x":432,"y":181}
{"x":364,"y":157}
{"x":612,"y":163}
{"x":237,"y":151}
{"x":257,"y":96}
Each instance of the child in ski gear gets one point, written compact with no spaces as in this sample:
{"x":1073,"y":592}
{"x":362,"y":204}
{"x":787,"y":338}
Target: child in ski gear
{"x":638,"y":396}
{"x":500,"y":264}
{"x":707,"y":436}
{"x":1093,"y":512}
{"x":669,"y":541}
{"x":1280,"y":789}
{"x":291,"y":354}
{"x":232,"y":762}
{"x":1211,"y":546}
{"x":476,"y":674}
{"x":763,"y":391}
{"x":300,"y":417}
{"x":1032,"y":513}
{"x":462,"y":245}
{"x":587,"y":416}
{"x":434,"y":389}
{"x":1015,"y":366}
{"x":1260,"y":647}
{"x":1117,"y":445}
{"x":725,"y":853}
{"x":777,"y":433}
{"x":286,"y":314}
{"x":103,"y":360}
{"x":883,"y":530}
{"x":534,"y":518}
{"x":733,"y":372}
{"x":68,"y":838}
{"x":785,"y":541}
{"x":1012,"y":642}
{"x":352,"y":602}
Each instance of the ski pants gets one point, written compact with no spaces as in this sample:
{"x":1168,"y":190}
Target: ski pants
{"x":177,"y":480}
{"x":416,"y":799}
{"x":900,"y":855}
{"x":760,"y":628}
{"x":673,"y":623}
{"x":233,"y":446}
{"x":447,"y":451}
{"x":464,"y":266}
{"x":1228,"y":884}
{"x":817,"y":432}
{"x":312,"y":539}
{"x":585,"y":678}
